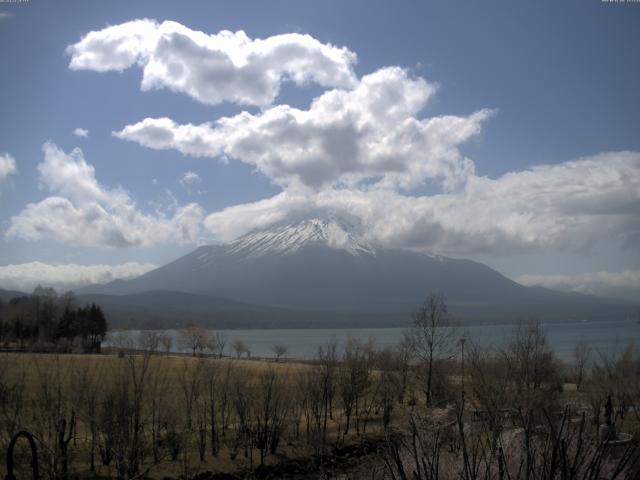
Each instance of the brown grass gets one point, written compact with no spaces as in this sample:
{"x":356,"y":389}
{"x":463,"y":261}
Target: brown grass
{"x":34,"y":370}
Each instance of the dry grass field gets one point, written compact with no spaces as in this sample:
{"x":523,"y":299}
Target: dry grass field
{"x":132,"y":414}
{"x":173,"y":398}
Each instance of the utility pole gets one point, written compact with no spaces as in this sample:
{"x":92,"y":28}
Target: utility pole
{"x":462,"y":342}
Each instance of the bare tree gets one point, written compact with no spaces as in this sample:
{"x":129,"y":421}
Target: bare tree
{"x":149,"y":341}
{"x":354,"y":378}
{"x":55,"y":415}
{"x":271,"y":412}
{"x":313,"y":392}
{"x":240,"y":348}
{"x":12,"y":398}
{"x":279,"y":350}
{"x":491,"y":389}
{"x":194,"y":338}
{"x":529,"y":357}
{"x":215,"y":344}
{"x":534,"y":379}
{"x":191,"y":383}
{"x":327,"y":360}
{"x":87,"y":383}
{"x":615,"y":374}
{"x":220,"y":341}
{"x":123,"y":419}
{"x":224,"y":405}
{"x":433,"y":336}
{"x":389,"y":381}
{"x":427,"y":450}
{"x":158,"y":403}
{"x":167,"y":342}
{"x":402,"y":358}
{"x":581,"y":354}
{"x":243,"y":399}
{"x":212,"y":387}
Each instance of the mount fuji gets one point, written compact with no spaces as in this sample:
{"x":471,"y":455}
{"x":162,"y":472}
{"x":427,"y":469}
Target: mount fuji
{"x":322,"y":269}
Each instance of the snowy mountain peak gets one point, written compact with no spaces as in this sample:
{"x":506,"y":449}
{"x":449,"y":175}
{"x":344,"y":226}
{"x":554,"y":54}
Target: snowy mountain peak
{"x":289,"y":238}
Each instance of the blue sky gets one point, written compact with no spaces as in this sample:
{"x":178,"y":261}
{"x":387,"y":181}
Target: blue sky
{"x":557,"y":81}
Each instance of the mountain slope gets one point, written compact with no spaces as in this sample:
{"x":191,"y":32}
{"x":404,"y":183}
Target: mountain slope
{"x":162,"y":309}
{"x":322,"y":265}
{"x":6,"y":295}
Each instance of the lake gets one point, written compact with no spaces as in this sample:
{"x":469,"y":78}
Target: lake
{"x":603,"y":336}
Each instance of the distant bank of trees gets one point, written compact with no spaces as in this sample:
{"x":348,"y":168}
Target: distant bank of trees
{"x":46,"y":321}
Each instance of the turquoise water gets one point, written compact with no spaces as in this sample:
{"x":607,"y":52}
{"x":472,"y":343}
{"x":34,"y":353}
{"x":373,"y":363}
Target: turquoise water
{"x":603,"y":336}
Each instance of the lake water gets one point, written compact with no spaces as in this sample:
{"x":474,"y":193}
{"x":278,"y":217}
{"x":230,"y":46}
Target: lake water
{"x":603,"y":336}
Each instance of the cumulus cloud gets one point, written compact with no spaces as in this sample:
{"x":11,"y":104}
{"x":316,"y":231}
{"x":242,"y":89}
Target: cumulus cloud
{"x":26,"y":276}
{"x":346,"y":136}
{"x":190,"y":178}
{"x":362,"y":148}
{"x":569,"y":206}
{"x":358,"y":153}
{"x":7,"y":166}
{"x":624,"y":284}
{"x":214,"y":68}
{"x":81,"y":132}
{"x":84,"y":212}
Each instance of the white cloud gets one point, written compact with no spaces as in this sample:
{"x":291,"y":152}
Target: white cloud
{"x":190,"y":178}
{"x":355,"y":153}
{"x":213,"y":68}
{"x":624,"y":284}
{"x":347,"y":136}
{"x":7,"y":166}
{"x":26,"y":276}
{"x":569,"y":206}
{"x":84,"y":212}
{"x":362,"y":148}
{"x":81,"y":132}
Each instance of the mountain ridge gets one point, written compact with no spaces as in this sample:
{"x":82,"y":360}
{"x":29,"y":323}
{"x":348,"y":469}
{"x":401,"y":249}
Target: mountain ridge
{"x":325,"y":266}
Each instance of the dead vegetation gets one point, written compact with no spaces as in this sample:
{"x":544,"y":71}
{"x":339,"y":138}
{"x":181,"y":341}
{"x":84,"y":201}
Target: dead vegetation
{"x":507,"y":415}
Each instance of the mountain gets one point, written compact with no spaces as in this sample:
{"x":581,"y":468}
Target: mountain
{"x":162,"y":309}
{"x":6,"y":295}
{"x":325,"y":267}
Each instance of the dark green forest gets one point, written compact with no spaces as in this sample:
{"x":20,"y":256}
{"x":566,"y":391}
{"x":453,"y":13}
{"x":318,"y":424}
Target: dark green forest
{"x":46,"y":321}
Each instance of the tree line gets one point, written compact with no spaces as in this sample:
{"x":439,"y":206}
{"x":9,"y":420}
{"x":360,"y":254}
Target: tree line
{"x":46,"y":321}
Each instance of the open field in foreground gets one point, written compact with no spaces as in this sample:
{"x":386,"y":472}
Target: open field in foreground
{"x":357,"y":413}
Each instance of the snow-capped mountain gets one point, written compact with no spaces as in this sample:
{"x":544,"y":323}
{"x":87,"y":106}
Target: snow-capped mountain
{"x":289,"y":238}
{"x":324,"y":265}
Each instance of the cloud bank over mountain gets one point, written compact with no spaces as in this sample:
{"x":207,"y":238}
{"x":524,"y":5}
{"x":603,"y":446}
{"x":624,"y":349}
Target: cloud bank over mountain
{"x":26,"y":276}
{"x":625,"y":284}
{"x":84,"y":212}
{"x":569,"y":206}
